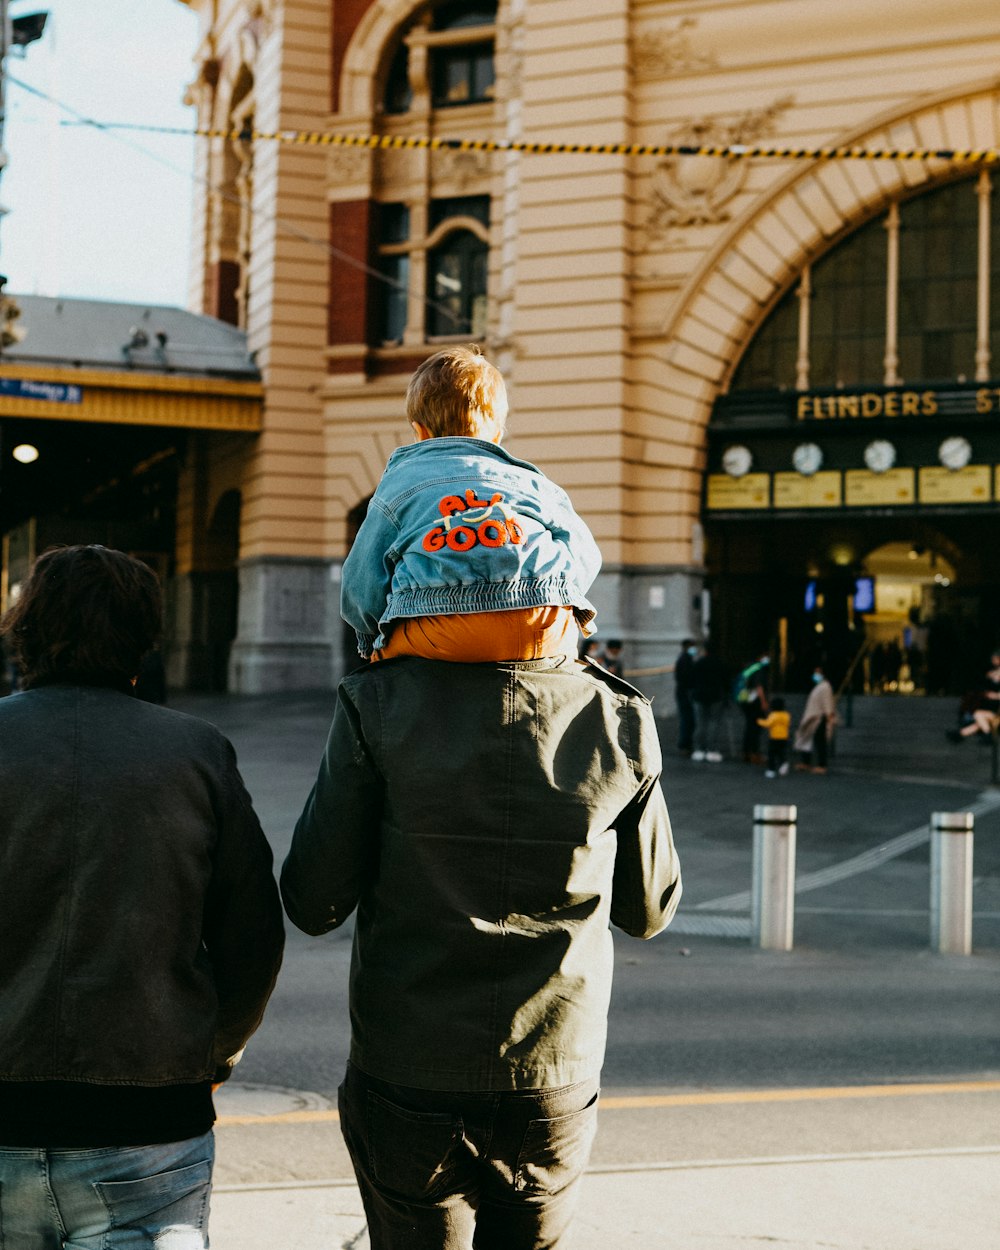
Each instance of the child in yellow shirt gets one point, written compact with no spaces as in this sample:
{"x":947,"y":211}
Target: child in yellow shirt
{"x":778,"y":725}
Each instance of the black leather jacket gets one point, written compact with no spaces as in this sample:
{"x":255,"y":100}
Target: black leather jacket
{"x":140,"y":926}
{"x":489,"y":821}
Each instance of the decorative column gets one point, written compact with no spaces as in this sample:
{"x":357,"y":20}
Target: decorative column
{"x":414,"y":334}
{"x":804,"y":294}
{"x":891,"y":361}
{"x":983,"y":191}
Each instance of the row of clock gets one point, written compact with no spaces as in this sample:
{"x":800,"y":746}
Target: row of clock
{"x":880,"y":456}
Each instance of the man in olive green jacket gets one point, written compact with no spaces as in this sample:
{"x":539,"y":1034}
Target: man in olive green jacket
{"x":489,"y":821}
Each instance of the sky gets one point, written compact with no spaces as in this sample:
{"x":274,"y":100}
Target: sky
{"x":91,"y":215}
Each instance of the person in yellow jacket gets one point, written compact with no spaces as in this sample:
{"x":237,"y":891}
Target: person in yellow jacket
{"x":778,"y":725}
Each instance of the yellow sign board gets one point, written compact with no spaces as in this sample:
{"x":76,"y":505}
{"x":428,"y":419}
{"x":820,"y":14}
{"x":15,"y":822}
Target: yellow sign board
{"x":793,"y":490}
{"x":750,"y":491}
{"x":968,"y":485}
{"x":863,"y":489}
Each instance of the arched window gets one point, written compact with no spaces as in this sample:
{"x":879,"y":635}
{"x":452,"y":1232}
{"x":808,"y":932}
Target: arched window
{"x":230,"y":200}
{"x":937,"y":284}
{"x":456,"y":281}
{"x":431,"y":219}
{"x":445,"y":59}
{"x":912,"y":296}
{"x":453,"y":257}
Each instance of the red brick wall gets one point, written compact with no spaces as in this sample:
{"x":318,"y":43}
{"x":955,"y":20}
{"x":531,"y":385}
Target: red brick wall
{"x":221,"y":281}
{"x":346,"y":16}
{"x":350,"y":233}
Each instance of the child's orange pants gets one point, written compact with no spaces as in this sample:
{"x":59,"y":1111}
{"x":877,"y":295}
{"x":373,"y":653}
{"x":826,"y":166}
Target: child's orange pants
{"x":480,"y":637}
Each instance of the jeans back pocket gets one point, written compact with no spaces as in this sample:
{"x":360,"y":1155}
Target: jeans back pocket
{"x":169,"y":1208}
{"x":413,"y":1154}
{"x":555,"y":1152}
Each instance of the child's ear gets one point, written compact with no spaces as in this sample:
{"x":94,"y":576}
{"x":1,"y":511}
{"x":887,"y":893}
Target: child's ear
{"x":421,"y":431}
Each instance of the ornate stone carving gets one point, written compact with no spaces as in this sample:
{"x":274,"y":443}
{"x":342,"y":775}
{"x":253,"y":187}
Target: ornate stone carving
{"x":255,"y":30}
{"x":665,"y":52}
{"x":694,"y":190}
{"x":450,"y":165}
{"x":348,"y":165}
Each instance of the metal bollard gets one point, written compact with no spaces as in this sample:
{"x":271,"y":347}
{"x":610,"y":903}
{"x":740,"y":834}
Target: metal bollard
{"x":772,"y":903}
{"x":951,"y":882}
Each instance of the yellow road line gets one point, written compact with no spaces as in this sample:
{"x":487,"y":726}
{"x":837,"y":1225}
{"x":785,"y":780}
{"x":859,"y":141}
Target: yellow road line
{"x":702,"y":1099}
{"x":708,"y":1099}
{"x":284,"y":1117}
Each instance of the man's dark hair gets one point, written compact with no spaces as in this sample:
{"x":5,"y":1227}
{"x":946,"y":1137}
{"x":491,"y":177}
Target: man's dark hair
{"x":85,"y":614}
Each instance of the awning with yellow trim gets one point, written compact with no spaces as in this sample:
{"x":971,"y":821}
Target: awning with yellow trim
{"x":132,"y":397}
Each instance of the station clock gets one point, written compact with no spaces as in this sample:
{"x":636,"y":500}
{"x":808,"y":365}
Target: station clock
{"x":737,"y":460}
{"x":880,"y":455}
{"x":807,"y":458}
{"x":955,"y":452}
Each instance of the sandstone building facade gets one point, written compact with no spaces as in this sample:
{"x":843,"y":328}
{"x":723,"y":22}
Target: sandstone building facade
{"x":703,"y":350}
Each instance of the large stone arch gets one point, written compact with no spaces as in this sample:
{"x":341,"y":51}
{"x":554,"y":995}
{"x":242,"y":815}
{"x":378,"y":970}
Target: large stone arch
{"x":732,"y":290}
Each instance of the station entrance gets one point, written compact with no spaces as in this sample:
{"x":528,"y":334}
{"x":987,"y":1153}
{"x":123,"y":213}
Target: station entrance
{"x":141,"y":489}
{"x":888,"y":605}
{"x":852,"y":496}
{"x":70,"y":482}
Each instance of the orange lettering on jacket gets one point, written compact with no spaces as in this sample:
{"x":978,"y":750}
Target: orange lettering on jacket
{"x":481,"y":529}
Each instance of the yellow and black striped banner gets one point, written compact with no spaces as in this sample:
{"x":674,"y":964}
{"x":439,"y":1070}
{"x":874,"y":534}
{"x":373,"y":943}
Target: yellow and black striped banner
{"x":727,"y":151}
{"x":731,"y":151}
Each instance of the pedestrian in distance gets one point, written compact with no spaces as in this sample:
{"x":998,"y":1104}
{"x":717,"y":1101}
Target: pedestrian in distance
{"x":140,"y":924}
{"x":979,"y":712}
{"x":751,"y":698}
{"x":611,"y":659}
{"x":8,"y":668}
{"x":708,"y":693}
{"x":488,"y":822}
{"x":819,"y":716}
{"x":467,"y":553}
{"x":777,"y":723}
{"x":683,"y":677}
{"x":590,"y":650}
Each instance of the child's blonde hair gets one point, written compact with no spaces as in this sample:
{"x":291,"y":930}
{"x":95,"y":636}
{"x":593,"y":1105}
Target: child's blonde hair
{"x":457,"y":392}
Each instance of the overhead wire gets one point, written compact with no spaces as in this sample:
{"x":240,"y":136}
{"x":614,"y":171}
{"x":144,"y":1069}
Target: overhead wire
{"x":324,"y":139}
{"x":232,"y":197}
{"x":728,"y":151}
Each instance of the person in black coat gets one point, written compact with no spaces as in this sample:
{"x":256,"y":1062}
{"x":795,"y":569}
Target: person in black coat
{"x":708,"y":692}
{"x":140,"y":924}
{"x":683,"y":678}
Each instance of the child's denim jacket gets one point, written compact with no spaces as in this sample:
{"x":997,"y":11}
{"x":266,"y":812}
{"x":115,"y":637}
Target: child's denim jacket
{"x":458,"y":525}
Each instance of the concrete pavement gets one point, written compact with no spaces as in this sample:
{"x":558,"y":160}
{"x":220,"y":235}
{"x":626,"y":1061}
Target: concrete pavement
{"x":933,"y":1201}
{"x":886,"y":1145}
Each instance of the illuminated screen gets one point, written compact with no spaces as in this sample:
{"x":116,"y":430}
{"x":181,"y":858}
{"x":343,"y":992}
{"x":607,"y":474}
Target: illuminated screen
{"x":810,"y":601}
{"x":864,"y":594}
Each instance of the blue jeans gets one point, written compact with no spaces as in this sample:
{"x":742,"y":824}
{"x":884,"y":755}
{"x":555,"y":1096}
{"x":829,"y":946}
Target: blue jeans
{"x":450,"y":1171}
{"x":112,"y":1198}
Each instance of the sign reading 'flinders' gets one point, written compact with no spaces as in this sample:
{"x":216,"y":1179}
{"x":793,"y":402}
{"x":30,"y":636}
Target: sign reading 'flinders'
{"x":800,"y":450}
{"x":842,"y":406}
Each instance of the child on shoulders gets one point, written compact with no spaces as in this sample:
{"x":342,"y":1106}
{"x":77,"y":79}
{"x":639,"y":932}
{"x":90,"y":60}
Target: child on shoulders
{"x":467,"y":554}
